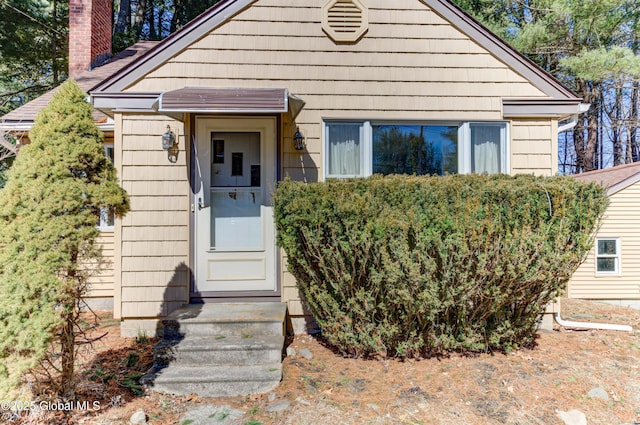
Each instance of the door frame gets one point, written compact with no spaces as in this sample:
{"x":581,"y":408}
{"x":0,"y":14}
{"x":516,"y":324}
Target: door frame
{"x":228,"y":296}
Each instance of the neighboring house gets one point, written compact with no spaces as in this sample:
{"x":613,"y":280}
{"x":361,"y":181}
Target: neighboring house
{"x":351,"y":80}
{"x":611,"y":271}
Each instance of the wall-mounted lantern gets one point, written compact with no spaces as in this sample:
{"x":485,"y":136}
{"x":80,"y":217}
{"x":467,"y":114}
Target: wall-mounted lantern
{"x":170,"y":144}
{"x":298,"y":140}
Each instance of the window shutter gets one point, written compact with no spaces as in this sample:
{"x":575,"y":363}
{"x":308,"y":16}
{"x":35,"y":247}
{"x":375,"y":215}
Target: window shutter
{"x":344,"y":20}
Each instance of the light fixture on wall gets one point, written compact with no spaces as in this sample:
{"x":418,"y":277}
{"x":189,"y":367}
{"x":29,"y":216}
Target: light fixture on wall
{"x":298,"y":140}
{"x":170,"y":144}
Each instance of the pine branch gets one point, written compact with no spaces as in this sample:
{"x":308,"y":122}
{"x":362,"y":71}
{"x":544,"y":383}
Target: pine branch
{"x":35,"y":87}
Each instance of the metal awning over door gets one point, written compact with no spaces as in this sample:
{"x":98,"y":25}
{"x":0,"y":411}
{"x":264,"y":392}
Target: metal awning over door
{"x":229,"y":101}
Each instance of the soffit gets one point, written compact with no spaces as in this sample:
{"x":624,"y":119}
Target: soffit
{"x":538,"y":108}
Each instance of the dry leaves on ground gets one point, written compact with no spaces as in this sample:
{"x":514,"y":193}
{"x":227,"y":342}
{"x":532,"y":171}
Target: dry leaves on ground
{"x":525,"y":387}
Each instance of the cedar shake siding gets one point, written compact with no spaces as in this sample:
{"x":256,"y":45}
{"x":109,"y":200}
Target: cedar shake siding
{"x":152,"y":239}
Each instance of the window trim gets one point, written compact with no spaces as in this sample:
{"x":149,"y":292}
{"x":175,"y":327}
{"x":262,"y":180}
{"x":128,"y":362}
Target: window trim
{"x":464,"y":142}
{"x":103,"y":224}
{"x":617,"y":256}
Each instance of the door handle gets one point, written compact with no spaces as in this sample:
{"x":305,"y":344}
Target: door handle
{"x":201,"y":204}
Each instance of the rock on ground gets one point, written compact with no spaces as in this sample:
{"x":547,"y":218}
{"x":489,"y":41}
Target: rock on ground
{"x":138,"y":418}
{"x":211,"y":414}
{"x":572,"y":417}
{"x":599,"y":392}
{"x":278,"y":406}
{"x":306,"y":353}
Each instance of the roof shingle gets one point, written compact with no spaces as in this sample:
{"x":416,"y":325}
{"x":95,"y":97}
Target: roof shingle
{"x":26,"y":114}
{"x":614,"y":178}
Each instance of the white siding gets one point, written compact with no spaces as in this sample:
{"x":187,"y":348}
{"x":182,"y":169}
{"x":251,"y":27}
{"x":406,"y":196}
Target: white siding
{"x":622,"y":219}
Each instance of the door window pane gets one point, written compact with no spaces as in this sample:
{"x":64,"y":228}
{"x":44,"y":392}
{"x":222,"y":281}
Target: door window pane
{"x":236,"y":222}
{"x":345,"y":149}
{"x":415,"y":149}
{"x":234,"y":170}
{"x":235,"y":194}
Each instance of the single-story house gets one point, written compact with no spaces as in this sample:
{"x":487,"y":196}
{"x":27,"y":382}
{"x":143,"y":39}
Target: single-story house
{"x":611,"y":271}
{"x":254,"y":91}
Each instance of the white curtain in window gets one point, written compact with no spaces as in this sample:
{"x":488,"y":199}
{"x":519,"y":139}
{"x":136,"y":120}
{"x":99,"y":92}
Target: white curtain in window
{"x":344,"y":150}
{"x":485,"y":142}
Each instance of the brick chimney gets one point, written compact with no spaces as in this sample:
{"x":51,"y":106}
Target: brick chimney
{"x":89,"y":34}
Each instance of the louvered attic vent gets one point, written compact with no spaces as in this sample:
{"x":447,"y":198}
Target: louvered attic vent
{"x":344,"y":20}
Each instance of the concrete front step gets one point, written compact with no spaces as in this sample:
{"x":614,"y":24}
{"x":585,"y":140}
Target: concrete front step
{"x":219,"y":350}
{"x":215,"y":381}
{"x":195,"y":351}
{"x":233,"y":319}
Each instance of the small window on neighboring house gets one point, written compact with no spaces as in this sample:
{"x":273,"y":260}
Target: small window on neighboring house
{"x":107,"y":217}
{"x":607,"y":256}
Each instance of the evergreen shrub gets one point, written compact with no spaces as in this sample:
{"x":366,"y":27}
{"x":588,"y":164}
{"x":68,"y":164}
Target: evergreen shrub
{"x":49,"y":212}
{"x":412,"y":266}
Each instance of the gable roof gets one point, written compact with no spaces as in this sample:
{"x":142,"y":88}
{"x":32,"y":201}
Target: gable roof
{"x":615,"y":178}
{"x":561,"y":102}
{"x":22,"y":118}
{"x":174,"y":43}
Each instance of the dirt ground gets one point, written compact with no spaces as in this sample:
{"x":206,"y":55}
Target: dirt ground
{"x":594,"y":372}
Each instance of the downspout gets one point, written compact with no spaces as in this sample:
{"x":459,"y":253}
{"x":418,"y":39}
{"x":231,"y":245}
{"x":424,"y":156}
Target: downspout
{"x":569,"y":125}
{"x":582,"y":108}
{"x":589,"y":325}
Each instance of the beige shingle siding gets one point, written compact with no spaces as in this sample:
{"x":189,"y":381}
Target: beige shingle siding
{"x":410,"y":65}
{"x":154,"y":247}
{"x":101,"y":278}
{"x":534,"y":148}
{"x":620,"y":220}
{"x":271,"y":45}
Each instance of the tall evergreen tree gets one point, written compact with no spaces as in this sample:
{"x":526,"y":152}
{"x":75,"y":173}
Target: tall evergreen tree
{"x":33,"y":49}
{"x":49,"y":210}
{"x":592,"y":46}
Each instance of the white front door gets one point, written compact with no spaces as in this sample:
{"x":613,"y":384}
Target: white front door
{"x":235,"y":169}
